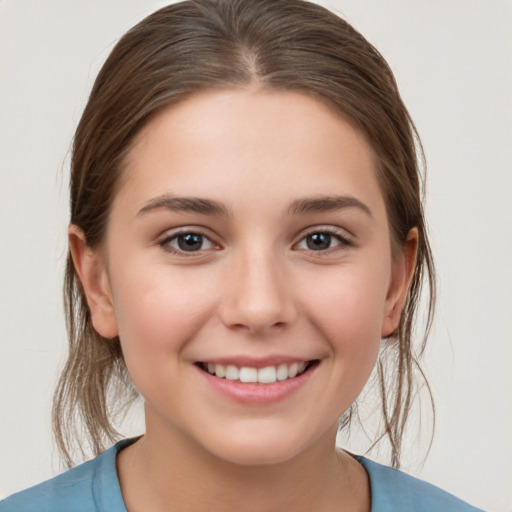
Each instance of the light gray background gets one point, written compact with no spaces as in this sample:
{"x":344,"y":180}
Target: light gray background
{"x":453,"y":63}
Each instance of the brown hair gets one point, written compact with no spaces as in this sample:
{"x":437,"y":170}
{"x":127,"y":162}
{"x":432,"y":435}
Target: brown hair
{"x":203,"y":44}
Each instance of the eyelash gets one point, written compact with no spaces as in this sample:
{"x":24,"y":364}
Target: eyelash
{"x":343,"y":242}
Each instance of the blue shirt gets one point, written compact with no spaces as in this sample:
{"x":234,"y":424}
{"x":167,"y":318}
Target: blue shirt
{"x":94,"y":487}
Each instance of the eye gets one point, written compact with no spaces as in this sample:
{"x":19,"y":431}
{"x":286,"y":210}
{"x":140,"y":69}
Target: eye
{"x":189,"y":241}
{"x":322,"y":241}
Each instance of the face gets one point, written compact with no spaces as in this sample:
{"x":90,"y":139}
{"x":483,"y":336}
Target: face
{"x":247,"y":270}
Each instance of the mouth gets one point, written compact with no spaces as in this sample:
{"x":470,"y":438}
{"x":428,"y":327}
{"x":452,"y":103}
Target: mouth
{"x":266,"y":375}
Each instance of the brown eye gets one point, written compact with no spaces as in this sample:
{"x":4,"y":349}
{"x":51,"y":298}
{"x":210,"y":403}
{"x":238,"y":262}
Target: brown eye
{"x":190,"y":242}
{"x":319,"y":241}
{"x":324,"y":241}
{"x":187,"y":242}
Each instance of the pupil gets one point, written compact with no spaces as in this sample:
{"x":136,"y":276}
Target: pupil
{"x":319,"y":241}
{"x":190,"y":242}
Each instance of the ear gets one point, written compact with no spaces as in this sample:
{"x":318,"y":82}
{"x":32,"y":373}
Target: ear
{"x":91,"y":269}
{"x":402,"y":272}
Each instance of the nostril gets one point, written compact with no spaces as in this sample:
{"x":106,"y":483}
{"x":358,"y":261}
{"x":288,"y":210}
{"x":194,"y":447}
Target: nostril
{"x":258,"y":296}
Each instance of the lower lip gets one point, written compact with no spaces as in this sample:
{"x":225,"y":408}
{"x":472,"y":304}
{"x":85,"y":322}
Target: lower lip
{"x":258,"y":394}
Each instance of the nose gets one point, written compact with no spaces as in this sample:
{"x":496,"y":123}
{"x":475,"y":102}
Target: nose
{"x":258,"y":297}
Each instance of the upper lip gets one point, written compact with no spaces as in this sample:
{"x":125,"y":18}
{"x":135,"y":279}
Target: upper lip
{"x":252,"y":362}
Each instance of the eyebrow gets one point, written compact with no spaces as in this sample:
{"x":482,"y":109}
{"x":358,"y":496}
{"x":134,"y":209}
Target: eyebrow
{"x":185,"y":204}
{"x":327,"y":204}
{"x":211,"y":207}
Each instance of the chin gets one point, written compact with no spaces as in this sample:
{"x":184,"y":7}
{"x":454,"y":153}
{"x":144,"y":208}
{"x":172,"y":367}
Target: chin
{"x":260,"y":450}
{"x":257,"y":456}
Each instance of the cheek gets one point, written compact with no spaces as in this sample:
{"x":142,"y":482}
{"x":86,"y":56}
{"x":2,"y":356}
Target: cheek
{"x":347,"y":306}
{"x":352,"y":297}
{"x":158,"y":309}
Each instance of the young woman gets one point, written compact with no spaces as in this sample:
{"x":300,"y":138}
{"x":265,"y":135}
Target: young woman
{"x":247,"y":244}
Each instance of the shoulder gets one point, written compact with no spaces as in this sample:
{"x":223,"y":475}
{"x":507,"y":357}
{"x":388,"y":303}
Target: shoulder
{"x":395,"y":491}
{"x":90,"y":487}
{"x":71,"y":490}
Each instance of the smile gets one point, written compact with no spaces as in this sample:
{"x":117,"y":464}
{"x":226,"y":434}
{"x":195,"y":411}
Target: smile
{"x":266,"y":375}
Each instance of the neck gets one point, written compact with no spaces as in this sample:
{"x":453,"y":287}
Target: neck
{"x":162,"y":474}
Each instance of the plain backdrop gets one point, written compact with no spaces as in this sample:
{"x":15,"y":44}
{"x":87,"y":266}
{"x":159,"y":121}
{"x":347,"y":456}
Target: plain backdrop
{"x":453,"y":63}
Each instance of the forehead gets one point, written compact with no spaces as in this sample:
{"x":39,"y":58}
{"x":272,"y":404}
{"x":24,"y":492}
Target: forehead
{"x":232,"y":142}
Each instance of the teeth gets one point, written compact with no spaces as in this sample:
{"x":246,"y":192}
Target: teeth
{"x":267,"y":375}
{"x":294,"y":368}
{"x":282,"y":372}
{"x":248,"y":375}
{"x":232,"y":372}
{"x":220,"y":370}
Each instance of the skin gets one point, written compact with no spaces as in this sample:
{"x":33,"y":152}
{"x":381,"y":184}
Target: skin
{"x":255,"y":289}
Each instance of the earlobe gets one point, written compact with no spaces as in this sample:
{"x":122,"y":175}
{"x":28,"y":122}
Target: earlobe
{"x":403,"y":268}
{"x":91,"y":269}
